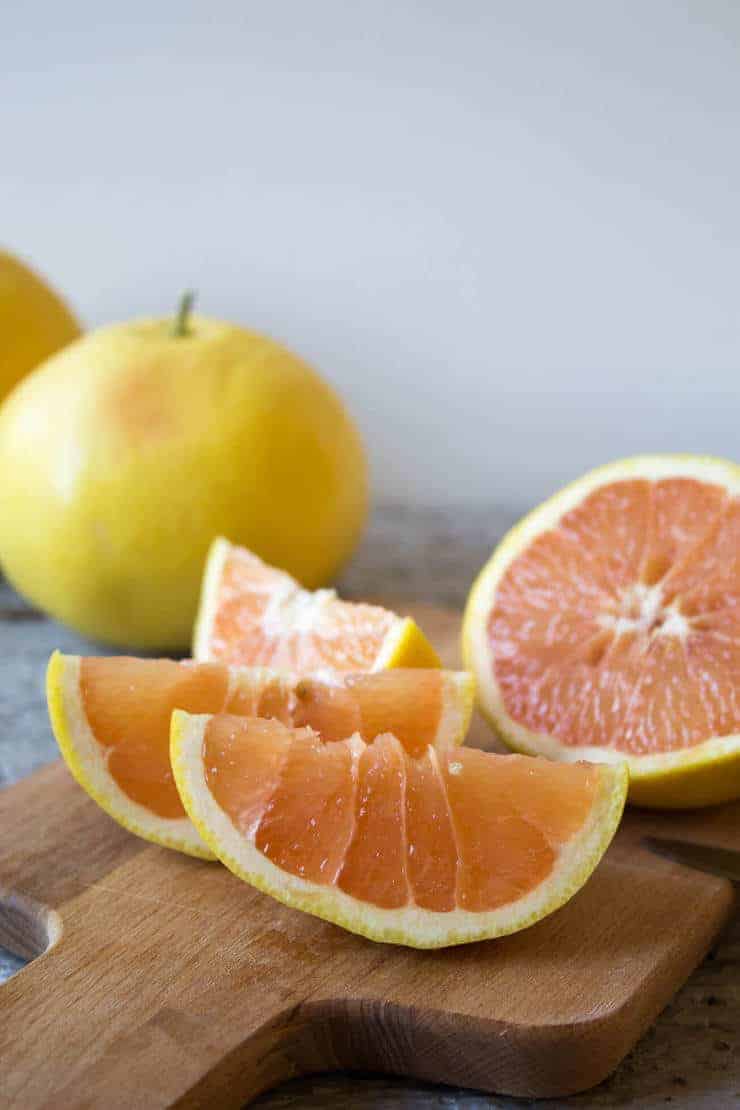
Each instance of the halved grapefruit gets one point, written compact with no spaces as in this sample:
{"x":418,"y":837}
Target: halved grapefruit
{"x":252,"y":614}
{"x":606,"y":626}
{"x":425,"y":850}
{"x":111,"y":719}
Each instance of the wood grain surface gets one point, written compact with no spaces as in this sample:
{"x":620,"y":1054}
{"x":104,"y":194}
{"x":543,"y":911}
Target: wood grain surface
{"x":172,"y":983}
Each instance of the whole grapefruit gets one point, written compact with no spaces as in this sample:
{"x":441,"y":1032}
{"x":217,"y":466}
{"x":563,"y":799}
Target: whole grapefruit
{"x":125,"y":454}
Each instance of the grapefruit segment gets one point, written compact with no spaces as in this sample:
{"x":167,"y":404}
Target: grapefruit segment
{"x":374,"y":867}
{"x":252,"y":614}
{"x":431,"y":860}
{"x":430,"y":849}
{"x":257,"y":775}
{"x":111,"y":718}
{"x":606,"y":626}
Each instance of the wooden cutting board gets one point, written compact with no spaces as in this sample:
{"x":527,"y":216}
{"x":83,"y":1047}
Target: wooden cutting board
{"x":172,"y":983}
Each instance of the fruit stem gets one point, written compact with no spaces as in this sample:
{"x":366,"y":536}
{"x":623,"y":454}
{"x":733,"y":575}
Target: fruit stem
{"x":180,"y":325}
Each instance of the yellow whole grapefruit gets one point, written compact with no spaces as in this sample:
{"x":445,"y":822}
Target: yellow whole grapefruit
{"x":124,"y":455}
{"x":34,"y":321}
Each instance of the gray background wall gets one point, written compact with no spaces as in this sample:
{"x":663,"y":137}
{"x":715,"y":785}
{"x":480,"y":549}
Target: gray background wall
{"x":508,"y":232}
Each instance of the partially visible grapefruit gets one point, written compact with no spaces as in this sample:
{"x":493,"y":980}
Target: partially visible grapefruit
{"x":606,"y":626}
{"x":425,"y":850}
{"x":34,"y":321}
{"x":252,"y":614}
{"x":111,"y":719}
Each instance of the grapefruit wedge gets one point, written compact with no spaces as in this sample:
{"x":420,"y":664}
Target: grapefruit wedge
{"x":606,"y":626}
{"x":426,"y":850}
{"x":252,"y":614}
{"x":111,"y":719}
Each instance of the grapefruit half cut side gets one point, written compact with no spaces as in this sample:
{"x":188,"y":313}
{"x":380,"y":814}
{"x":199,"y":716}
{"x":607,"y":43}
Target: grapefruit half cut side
{"x":252,"y":614}
{"x":606,"y":626}
{"x":426,"y":850}
{"x":111,"y":719}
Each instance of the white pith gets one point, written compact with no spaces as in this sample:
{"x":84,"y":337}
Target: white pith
{"x":645,"y":602}
{"x":458,"y":697}
{"x":390,"y":644}
{"x":641,"y":609}
{"x":203,"y":628}
{"x":409,"y":924}
{"x":297,"y":610}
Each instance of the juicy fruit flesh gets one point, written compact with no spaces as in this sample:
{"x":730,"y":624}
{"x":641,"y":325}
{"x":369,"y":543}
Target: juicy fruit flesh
{"x":445,"y":830}
{"x":408,"y":703}
{"x":129,"y":702}
{"x":620,"y":627}
{"x":263,"y":618}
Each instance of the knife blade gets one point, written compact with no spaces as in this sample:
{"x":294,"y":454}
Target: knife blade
{"x":724,"y":862}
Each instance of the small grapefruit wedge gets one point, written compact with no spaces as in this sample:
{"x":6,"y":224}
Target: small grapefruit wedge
{"x":111,"y":719}
{"x":252,"y":614}
{"x":606,"y":626}
{"x":425,"y":850}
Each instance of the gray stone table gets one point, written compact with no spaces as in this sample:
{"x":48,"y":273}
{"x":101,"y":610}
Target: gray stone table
{"x":690,"y":1059}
